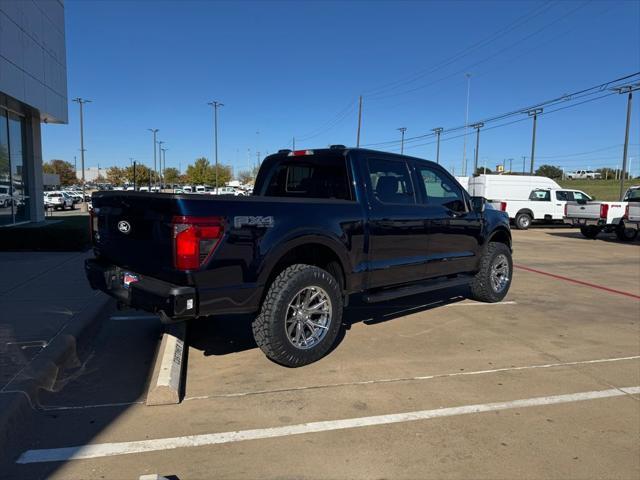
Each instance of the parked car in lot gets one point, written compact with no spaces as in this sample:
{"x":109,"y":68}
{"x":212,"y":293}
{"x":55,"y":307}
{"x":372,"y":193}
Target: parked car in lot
{"x":227,"y":191}
{"x":321,"y":225}
{"x":583,"y":174}
{"x":75,"y":196}
{"x":58,"y":200}
{"x":596,"y":217}
{"x":543,"y":205}
{"x":5,"y":197}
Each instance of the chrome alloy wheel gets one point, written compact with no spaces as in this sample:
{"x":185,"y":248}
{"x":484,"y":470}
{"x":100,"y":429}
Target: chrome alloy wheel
{"x":500,"y":273}
{"x":308,"y":317}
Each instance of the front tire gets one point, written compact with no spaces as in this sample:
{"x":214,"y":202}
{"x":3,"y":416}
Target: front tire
{"x":590,"y":231}
{"x":300,"y":317}
{"x":626,"y":234}
{"x":523,"y":221}
{"x":491,"y":283}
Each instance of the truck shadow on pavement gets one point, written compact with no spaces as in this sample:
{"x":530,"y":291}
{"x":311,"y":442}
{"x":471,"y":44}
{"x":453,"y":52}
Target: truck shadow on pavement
{"x":228,"y":334}
{"x":603,"y":237}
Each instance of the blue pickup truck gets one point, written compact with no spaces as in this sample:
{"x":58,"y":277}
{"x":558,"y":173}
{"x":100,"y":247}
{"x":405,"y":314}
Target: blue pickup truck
{"x":320,"y":226}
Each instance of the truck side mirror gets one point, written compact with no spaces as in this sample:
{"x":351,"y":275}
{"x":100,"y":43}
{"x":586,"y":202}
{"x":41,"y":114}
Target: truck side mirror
{"x":478,"y":204}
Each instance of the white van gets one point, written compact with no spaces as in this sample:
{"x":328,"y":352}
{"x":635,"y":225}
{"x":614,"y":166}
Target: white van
{"x":508,"y":187}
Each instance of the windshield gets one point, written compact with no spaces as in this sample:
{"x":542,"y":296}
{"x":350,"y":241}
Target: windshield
{"x":632,"y":195}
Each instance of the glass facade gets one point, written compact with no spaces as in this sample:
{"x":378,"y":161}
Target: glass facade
{"x":14,"y":194}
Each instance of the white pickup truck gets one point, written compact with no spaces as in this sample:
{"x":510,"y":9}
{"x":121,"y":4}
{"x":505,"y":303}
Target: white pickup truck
{"x":544,"y":204}
{"x":618,"y":217}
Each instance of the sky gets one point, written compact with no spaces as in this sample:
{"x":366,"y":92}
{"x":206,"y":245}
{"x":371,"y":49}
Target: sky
{"x":296,"y":69}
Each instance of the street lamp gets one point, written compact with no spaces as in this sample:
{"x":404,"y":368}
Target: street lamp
{"x":81,"y":102}
{"x":215,"y":104}
{"x":155,"y":132}
{"x":466,"y":124}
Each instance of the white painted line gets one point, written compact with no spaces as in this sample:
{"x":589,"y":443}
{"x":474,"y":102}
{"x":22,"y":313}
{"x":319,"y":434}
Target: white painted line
{"x":410,"y":379}
{"x":480,"y":304}
{"x":141,"y":446}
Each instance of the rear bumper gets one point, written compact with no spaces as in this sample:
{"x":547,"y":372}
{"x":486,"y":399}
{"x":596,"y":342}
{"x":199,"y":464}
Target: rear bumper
{"x":174,"y":303}
{"x":586,"y":222}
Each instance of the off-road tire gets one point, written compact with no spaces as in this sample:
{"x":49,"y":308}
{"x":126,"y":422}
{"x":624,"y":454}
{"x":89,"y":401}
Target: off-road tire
{"x":269,"y":326}
{"x":481,"y":288}
{"x":626,"y":234}
{"x":523,"y":221}
{"x":590,"y":231}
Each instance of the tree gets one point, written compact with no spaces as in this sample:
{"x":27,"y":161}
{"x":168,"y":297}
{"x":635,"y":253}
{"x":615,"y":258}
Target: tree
{"x":549,"y":171}
{"x":64,"y":169}
{"x":100,"y":179}
{"x":143,"y":174}
{"x":203,"y":173}
{"x":171,"y":176}
{"x":483,"y":170}
{"x":248,"y":176}
{"x":116,"y":175}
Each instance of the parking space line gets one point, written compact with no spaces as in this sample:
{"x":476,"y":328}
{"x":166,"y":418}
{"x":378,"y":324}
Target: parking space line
{"x":409,"y":379}
{"x":161,"y":444}
{"x":578,"y":282}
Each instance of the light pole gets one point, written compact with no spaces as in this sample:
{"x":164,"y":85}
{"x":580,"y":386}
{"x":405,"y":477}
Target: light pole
{"x":466,"y":123}
{"x":359,"y":122}
{"x":437,"y":131}
{"x":215,"y":104}
{"x":626,"y":89}
{"x":160,"y":142}
{"x":163,"y":166}
{"x":402,"y":130}
{"x":533,"y":113}
{"x":155,"y":132}
{"x":81,"y":102}
{"x":477,"y":126}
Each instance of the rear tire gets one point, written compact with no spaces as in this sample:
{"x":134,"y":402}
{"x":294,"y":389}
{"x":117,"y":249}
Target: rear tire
{"x":590,"y":231}
{"x":523,"y":221}
{"x":289,"y":318}
{"x":626,"y":234}
{"x":491,"y":283}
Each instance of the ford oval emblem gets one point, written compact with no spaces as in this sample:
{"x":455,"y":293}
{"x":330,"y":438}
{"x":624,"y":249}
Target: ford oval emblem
{"x":124,"y":226}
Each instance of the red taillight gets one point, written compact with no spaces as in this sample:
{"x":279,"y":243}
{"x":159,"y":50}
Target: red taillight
{"x":300,"y":153}
{"x":565,"y":209}
{"x":503,"y":206}
{"x":604,"y":210}
{"x":194,"y":240}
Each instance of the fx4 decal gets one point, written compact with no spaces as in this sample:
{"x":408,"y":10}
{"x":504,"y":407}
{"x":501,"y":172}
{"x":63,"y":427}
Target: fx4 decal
{"x":242,"y":221}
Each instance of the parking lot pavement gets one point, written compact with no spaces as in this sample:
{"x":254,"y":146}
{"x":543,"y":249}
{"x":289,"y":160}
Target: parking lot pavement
{"x":542,"y":385}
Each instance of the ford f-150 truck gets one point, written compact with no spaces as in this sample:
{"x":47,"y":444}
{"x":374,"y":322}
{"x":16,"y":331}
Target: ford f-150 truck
{"x":595,"y":217}
{"x":320,"y":226}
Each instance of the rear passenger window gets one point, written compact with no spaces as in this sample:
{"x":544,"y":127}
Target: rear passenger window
{"x":564,"y":196}
{"x":391,"y":181}
{"x":320,"y":177}
{"x":441,"y":190}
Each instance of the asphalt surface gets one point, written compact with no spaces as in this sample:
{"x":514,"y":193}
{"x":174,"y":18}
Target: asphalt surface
{"x":542,"y":385}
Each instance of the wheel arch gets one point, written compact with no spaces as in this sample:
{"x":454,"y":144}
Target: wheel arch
{"x":501,"y":235}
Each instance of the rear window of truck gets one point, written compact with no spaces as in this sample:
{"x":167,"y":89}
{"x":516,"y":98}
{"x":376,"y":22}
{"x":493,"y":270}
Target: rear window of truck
{"x":320,"y":177}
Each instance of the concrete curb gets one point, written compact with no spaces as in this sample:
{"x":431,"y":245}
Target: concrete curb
{"x":168,"y":371}
{"x":19,"y":398}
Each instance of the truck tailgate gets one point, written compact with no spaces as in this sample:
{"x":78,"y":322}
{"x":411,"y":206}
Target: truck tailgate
{"x":134,"y":231}
{"x":590,"y":211}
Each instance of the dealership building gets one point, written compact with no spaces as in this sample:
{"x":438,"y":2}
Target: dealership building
{"x":33,"y":89}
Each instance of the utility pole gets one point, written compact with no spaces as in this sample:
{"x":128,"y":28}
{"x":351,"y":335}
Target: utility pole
{"x":293,"y":143}
{"x":477,"y":126}
{"x":75,"y":167}
{"x":437,"y":131}
{"x":466,"y":123}
{"x":533,"y":113}
{"x":155,"y":132}
{"x":402,"y":130}
{"x":359,"y":121}
{"x":524,"y":161}
{"x":215,"y":104}
{"x":81,"y":102}
{"x":131,"y":161}
{"x":510,"y":165}
{"x":629,"y":89}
